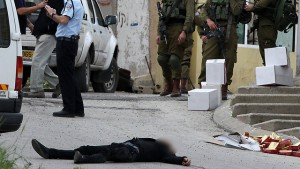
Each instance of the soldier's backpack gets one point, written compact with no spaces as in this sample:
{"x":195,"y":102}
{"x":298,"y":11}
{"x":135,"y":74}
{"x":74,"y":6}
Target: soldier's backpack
{"x":285,"y":15}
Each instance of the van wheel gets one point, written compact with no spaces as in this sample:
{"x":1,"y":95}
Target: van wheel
{"x":111,"y":85}
{"x":83,"y":74}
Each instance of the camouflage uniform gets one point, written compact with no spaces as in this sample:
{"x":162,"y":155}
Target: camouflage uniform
{"x":212,"y":49}
{"x":170,"y":54}
{"x":266,"y":31}
{"x":185,"y":63}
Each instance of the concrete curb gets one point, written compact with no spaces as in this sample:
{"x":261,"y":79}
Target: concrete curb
{"x":222,"y":117}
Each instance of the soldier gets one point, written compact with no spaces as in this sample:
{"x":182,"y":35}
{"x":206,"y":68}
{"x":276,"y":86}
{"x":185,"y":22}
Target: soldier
{"x":179,"y":20}
{"x":221,"y":15}
{"x":185,"y":64}
{"x":266,"y":32}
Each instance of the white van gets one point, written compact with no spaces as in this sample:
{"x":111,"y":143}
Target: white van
{"x":11,"y":68}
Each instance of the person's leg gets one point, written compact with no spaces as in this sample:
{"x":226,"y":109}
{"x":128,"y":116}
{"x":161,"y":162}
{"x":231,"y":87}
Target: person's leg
{"x":51,"y":153}
{"x":210,"y":50}
{"x":185,"y":65}
{"x":43,"y":50}
{"x":267,"y":35}
{"x":176,"y":72}
{"x":51,"y":77}
{"x":163,"y":61}
{"x":92,"y":154}
{"x":66,"y":53}
{"x":230,"y":59}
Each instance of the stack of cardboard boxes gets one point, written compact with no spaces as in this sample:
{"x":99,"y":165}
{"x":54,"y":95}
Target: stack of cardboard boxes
{"x":277,"y":70}
{"x":209,"y":96}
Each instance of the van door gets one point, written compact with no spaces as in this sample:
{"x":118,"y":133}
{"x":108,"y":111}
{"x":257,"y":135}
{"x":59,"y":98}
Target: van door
{"x":10,"y":44}
{"x":104,"y":35}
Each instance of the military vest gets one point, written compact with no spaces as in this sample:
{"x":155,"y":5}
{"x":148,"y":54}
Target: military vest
{"x":219,"y":10}
{"x":178,"y":13}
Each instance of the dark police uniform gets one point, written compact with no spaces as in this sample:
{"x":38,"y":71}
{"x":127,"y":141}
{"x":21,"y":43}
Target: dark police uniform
{"x":66,"y":49}
{"x":171,"y":53}
{"x":134,"y":150}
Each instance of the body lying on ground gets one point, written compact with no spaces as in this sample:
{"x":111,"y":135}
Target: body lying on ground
{"x":134,"y":150}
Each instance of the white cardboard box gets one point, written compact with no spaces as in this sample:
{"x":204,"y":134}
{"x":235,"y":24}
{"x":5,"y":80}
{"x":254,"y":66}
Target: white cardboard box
{"x":215,"y":71}
{"x":202,"y":99}
{"x":269,"y":75}
{"x":277,"y":56}
{"x":218,"y":87}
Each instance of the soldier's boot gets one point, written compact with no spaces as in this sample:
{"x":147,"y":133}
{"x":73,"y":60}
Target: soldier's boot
{"x":183,"y":88}
{"x":167,"y":88}
{"x":224,"y":91}
{"x":176,"y":88}
{"x":95,"y":158}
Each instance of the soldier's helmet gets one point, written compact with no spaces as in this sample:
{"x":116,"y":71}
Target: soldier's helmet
{"x":245,"y":17}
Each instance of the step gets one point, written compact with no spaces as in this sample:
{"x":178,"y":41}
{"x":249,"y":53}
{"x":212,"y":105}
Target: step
{"x":265,"y":98}
{"x":268,"y":90}
{"x":254,"y":118}
{"x":275,"y":125}
{"x":291,"y":132}
{"x":276,"y":108}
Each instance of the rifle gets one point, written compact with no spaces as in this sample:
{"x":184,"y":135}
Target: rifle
{"x":219,"y":33}
{"x":162,"y":24}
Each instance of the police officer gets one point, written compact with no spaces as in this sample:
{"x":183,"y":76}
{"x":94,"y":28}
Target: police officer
{"x":44,"y":31}
{"x":221,"y":14}
{"x":170,"y":51}
{"x":266,"y":31}
{"x":134,"y":150}
{"x":67,"y":36}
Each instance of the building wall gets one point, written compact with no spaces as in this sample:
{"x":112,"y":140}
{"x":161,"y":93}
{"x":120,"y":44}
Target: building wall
{"x":133,"y":36}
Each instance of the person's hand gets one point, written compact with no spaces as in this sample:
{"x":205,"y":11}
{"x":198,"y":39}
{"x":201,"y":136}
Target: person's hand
{"x":41,"y":5}
{"x":211,"y":24}
{"x":31,"y":27}
{"x":182,"y":37}
{"x":204,"y":38}
{"x":186,"y":161}
{"x":158,"y":40}
{"x":249,"y":7}
{"x":50,"y":11}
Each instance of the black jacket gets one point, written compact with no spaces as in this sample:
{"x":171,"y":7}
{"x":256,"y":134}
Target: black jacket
{"x":45,"y":25}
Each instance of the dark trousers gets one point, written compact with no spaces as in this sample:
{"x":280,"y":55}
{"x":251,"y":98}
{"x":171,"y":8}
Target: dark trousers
{"x":66,"y":52}
{"x":117,"y":152}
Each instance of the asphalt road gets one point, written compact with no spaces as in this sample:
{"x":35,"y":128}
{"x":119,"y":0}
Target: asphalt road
{"x":121,"y":116}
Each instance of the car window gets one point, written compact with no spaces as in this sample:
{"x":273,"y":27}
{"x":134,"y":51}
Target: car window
{"x":91,"y":9}
{"x":4,"y":26}
{"x":98,"y":14}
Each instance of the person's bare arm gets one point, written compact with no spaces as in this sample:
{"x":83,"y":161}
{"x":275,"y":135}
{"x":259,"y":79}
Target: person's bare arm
{"x":29,"y":10}
{"x":30,"y":25}
{"x":58,"y":19}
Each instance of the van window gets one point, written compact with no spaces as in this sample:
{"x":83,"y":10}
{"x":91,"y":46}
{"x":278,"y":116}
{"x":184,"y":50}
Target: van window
{"x":4,"y":26}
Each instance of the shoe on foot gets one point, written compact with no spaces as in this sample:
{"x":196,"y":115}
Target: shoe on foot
{"x":56,"y":91}
{"x":80,"y":114}
{"x":40,"y":94}
{"x":63,"y":113}
{"x":40,"y":149}
{"x":78,"y":158}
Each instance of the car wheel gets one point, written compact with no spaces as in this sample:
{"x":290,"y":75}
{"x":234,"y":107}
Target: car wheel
{"x":111,"y":85}
{"x":83,"y":74}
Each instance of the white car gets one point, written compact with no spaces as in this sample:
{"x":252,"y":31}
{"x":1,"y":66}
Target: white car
{"x":96,"y":60}
{"x":11,"y":68}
